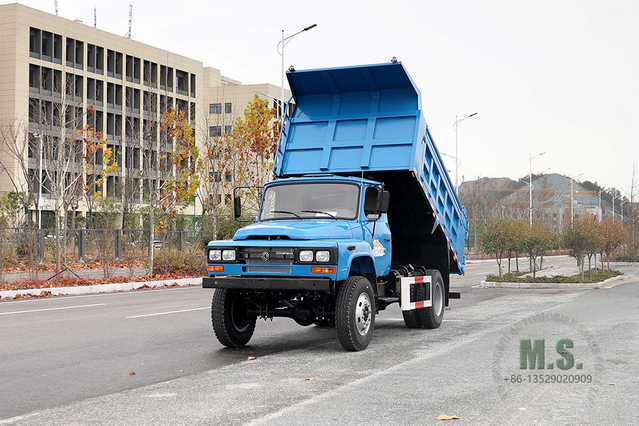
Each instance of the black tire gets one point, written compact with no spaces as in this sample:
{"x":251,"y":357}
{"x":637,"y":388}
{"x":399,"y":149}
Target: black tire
{"x":232,"y":325}
{"x":355,"y":313}
{"x":429,"y":317}
{"x":412,"y":318}
{"x":432,"y":317}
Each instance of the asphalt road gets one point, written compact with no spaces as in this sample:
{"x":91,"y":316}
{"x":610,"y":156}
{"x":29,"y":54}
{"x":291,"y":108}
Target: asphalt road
{"x":68,"y":360}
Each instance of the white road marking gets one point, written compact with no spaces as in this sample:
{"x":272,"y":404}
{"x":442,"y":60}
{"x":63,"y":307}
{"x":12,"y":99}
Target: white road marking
{"x":52,"y":309}
{"x":377,"y":319}
{"x":167,"y":313}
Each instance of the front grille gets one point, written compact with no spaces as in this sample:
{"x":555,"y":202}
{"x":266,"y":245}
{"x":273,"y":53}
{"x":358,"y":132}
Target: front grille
{"x":265,"y":255}
{"x":278,"y":269}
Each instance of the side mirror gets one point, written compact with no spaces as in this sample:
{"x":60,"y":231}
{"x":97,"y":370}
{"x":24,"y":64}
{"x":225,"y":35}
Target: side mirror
{"x":384,"y":202}
{"x":237,"y":207}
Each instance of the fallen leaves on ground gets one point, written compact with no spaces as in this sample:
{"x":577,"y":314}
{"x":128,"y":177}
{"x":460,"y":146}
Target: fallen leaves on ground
{"x":76,"y":282}
{"x":446,"y":417}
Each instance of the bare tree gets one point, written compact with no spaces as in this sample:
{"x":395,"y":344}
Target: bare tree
{"x":215,"y":129}
{"x":17,"y":149}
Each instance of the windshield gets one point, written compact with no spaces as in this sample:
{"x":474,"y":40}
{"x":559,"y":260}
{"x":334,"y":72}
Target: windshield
{"x":311,"y":200}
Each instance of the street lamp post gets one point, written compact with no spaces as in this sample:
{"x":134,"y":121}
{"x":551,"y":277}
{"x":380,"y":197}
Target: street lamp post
{"x":283,"y":43}
{"x":572,"y":179}
{"x":530,"y":187}
{"x":600,"y":212}
{"x":455,"y":125}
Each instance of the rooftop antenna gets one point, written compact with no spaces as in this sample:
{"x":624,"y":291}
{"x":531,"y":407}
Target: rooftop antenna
{"x":55,"y":5}
{"x":128,"y":35}
{"x":95,"y":17}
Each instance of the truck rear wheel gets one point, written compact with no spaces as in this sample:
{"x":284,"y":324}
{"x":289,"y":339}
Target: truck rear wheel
{"x":355,"y":313}
{"x":412,"y":319}
{"x":432,"y":317}
{"x":429,"y":317}
{"x":232,"y":325}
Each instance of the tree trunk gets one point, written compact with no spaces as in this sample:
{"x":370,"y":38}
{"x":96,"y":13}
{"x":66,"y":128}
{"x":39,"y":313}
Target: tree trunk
{"x":151,"y":239}
{"x":58,"y":252}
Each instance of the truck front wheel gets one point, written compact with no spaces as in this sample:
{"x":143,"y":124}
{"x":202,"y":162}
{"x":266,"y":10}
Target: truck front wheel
{"x":232,"y":325}
{"x":355,"y":313}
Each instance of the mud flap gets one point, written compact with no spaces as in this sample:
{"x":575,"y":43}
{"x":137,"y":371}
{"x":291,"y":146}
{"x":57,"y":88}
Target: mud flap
{"x":416,"y":292}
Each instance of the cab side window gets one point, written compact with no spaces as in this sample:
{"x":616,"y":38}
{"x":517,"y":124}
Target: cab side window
{"x":370,"y":203}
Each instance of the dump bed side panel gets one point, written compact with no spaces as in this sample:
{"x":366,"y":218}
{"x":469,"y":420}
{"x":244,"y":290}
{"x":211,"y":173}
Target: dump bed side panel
{"x":367,"y":121}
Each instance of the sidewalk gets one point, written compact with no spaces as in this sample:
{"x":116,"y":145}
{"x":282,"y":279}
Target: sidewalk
{"x":89,"y":289}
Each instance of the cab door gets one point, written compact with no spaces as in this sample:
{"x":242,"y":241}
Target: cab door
{"x":376,"y":230}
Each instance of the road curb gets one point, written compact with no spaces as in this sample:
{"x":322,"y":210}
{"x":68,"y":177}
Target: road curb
{"x":610,"y":282}
{"x":98,"y":288}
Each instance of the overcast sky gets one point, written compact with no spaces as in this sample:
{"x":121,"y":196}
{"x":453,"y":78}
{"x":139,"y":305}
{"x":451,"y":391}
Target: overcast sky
{"x":553,"y":76}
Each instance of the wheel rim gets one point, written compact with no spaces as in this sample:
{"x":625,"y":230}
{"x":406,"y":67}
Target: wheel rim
{"x":239,"y":322}
{"x":438,"y":299}
{"x":363,"y":314}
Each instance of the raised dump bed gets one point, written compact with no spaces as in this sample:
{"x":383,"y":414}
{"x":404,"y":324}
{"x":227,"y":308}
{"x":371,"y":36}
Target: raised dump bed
{"x":367,"y":121}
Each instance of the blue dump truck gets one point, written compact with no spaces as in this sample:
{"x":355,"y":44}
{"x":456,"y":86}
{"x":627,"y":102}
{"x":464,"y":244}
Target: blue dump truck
{"x":362,"y":214}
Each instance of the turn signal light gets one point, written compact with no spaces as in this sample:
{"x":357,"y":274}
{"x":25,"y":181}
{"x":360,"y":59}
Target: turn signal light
{"x":323,"y":270}
{"x":215,"y":268}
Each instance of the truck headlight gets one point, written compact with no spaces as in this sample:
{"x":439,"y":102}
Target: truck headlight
{"x":306,"y":256}
{"x":228,"y":255}
{"x":322,"y":256}
{"x":215,"y":255}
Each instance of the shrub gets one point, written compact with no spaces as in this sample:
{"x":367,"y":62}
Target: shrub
{"x":189,"y":261}
{"x":629,"y":255}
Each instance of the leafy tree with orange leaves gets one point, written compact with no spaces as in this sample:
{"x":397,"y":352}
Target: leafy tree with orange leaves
{"x":99,"y":163}
{"x":174,"y":183}
{"x":495,"y":239}
{"x":613,"y":235}
{"x":248,"y":152}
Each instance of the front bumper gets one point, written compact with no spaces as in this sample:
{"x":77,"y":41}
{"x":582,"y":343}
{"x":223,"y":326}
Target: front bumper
{"x":267,"y":283}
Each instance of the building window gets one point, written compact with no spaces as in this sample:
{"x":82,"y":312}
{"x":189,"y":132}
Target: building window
{"x":215,"y":131}
{"x":215,"y":108}
{"x":228,"y":130}
{"x":182,"y":82}
{"x":35,"y":42}
{"x":227,"y":108}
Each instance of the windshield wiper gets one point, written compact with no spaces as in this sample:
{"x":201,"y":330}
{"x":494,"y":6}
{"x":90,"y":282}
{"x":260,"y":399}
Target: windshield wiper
{"x":320,"y":212}
{"x":287,"y":212}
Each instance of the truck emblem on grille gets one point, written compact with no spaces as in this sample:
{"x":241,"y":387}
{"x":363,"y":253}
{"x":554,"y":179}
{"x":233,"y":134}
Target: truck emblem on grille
{"x":265,"y":255}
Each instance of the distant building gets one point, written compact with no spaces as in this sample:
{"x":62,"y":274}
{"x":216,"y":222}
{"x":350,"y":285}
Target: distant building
{"x":552,"y":202}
